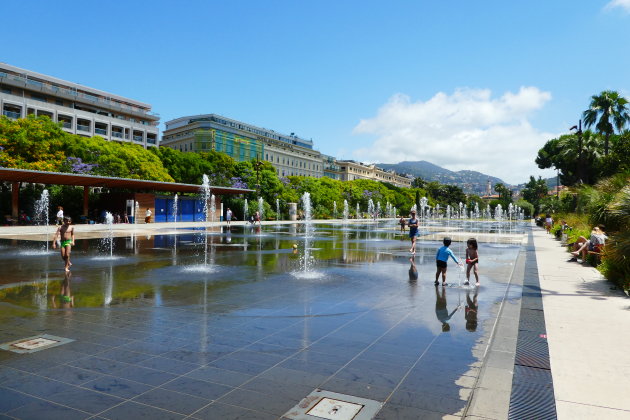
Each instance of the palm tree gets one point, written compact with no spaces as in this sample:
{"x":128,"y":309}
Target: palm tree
{"x":585,"y":155}
{"x":612,"y":110}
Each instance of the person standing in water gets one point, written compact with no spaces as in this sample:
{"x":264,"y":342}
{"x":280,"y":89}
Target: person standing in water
{"x":65,"y":233}
{"x":472,"y":260}
{"x":413,"y":231}
{"x":441,"y":259}
{"x":402,"y":223}
{"x":228,"y":216}
{"x":59,"y":220}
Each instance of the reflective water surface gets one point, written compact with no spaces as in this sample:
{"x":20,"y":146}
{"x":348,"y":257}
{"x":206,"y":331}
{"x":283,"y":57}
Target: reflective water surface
{"x":241,"y":322}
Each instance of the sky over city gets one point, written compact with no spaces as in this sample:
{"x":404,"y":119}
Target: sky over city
{"x":464,"y":85}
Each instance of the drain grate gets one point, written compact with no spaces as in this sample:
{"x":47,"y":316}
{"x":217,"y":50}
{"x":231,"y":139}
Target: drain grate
{"x":321,"y":404}
{"x":35,"y":343}
{"x":330,"y":409}
{"x":532,"y":395}
{"x":532,"y":401}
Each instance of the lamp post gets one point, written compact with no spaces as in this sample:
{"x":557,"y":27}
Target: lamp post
{"x":257,"y":167}
{"x":580,"y":169}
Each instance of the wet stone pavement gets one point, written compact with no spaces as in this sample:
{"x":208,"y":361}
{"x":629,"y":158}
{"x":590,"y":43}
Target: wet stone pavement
{"x":235,"y":324}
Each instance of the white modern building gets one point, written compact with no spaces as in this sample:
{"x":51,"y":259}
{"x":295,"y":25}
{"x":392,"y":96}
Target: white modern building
{"x":81,"y":110}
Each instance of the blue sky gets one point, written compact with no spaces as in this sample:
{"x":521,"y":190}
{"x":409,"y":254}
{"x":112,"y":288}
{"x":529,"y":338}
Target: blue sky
{"x":463,"y":84}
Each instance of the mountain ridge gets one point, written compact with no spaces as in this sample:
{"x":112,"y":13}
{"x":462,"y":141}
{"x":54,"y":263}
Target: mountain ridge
{"x":472,"y":182}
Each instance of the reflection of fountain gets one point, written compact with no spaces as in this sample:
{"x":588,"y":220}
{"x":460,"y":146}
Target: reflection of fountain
{"x":109,"y":286}
{"x":41,"y":213}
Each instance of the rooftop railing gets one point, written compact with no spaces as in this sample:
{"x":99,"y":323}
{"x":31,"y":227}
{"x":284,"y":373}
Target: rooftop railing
{"x":47,"y":87}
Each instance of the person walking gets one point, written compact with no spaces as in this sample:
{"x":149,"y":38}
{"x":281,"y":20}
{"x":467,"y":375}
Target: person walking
{"x":413,"y":231}
{"x":65,"y":233}
{"x":59,"y":220}
{"x":228,"y":216}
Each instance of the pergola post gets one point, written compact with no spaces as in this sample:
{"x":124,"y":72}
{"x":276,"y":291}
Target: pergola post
{"x":86,"y":199}
{"x":15,"y":200}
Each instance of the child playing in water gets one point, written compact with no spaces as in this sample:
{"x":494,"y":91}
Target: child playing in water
{"x":413,"y":231}
{"x":472,"y":258}
{"x":441,"y":259}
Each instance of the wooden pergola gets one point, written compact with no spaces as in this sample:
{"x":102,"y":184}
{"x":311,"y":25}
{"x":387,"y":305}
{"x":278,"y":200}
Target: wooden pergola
{"x":19,"y":176}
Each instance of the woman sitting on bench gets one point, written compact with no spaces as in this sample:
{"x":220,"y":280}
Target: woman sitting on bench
{"x":583,"y":246}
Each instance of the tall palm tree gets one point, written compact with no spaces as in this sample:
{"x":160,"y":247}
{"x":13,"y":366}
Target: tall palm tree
{"x":612,"y":110}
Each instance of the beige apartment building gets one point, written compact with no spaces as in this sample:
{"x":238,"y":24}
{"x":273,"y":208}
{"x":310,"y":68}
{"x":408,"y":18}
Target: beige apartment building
{"x":80,"y":109}
{"x":351,"y":170}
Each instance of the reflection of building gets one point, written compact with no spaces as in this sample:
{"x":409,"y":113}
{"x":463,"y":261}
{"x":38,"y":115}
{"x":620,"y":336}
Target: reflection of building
{"x":289,"y":154}
{"x":81,"y":110}
{"x":350,"y":170}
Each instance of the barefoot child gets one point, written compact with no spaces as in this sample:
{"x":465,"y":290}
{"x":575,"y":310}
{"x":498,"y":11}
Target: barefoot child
{"x":441,"y":258}
{"x":65,"y":233}
{"x":413,"y":231}
{"x":472,"y":258}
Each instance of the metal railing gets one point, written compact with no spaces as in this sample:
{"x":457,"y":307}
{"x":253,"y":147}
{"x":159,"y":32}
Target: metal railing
{"x":43,"y":86}
{"x":102,"y":131}
{"x":81,"y":127}
{"x":138,"y":138}
{"x":66,"y":124}
{"x":117,"y":134}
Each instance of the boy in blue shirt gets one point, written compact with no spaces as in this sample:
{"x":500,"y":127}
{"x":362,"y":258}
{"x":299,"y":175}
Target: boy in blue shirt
{"x":441,"y":258}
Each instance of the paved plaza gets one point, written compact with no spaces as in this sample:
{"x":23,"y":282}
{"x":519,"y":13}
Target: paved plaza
{"x":175,"y":322}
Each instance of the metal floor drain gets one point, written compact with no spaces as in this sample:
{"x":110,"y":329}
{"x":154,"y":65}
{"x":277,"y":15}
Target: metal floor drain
{"x":321,"y":404}
{"x":532,"y":395}
{"x":35,"y":343}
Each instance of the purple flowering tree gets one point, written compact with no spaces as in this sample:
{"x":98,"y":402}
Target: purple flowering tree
{"x":237,"y":182}
{"x":77,"y":166}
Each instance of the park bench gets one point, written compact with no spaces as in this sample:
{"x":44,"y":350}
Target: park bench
{"x":597,"y":252}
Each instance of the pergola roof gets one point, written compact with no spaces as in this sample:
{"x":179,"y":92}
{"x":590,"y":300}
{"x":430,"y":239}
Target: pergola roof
{"x":59,"y":178}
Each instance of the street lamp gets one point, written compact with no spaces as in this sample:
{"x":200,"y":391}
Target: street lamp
{"x":580,"y":168}
{"x":257,"y":167}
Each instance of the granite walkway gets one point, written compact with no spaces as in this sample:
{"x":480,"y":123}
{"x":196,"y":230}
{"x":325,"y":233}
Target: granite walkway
{"x":587,"y":324}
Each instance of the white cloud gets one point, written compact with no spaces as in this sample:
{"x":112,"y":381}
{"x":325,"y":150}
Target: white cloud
{"x":624,"y":4}
{"x":466,"y":130}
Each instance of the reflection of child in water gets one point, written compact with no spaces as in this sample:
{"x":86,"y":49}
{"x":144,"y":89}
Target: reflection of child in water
{"x":471,"y":311}
{"x":66,"y":300}
{"x":441,"y":311}
{"x":413,"y":271}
